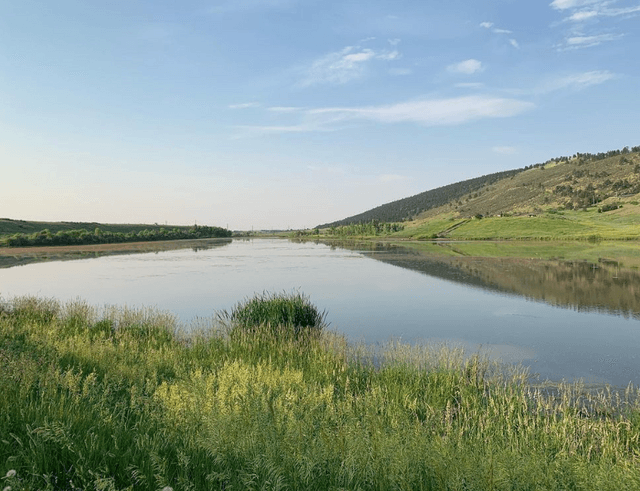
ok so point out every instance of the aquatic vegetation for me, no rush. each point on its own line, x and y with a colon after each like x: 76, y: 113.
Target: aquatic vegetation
x: 279, y: 311
x: 143, y: 404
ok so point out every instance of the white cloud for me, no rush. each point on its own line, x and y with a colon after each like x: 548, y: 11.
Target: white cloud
x: 344, y: 66
x: 468, y: 67
x: 486, y: 25
x: 431, y: 112
x: 583, y: 15
x: 578, y: 81
x: 389, y: 55
x: 570, y: 4
x: 505, y: 150
x: 588, y: 41
x: 583, y: 11
x: 394, y: 42
x: 502, y: 31
x: 244, y: 105
x: 426, y: 112
x: 284, y: 109
x: 514, y: 43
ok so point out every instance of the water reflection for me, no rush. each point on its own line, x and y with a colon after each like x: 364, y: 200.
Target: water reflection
x: 29, y: 255
x: 605, y: 287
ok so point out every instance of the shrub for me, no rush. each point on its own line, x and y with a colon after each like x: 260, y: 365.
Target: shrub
x: 291, y: 311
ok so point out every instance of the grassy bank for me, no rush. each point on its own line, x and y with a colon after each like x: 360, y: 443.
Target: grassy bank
x: 620, y: 224
x: 119, y: 399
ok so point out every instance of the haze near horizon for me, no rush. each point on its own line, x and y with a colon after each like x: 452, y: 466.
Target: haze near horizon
x: 275, y: 114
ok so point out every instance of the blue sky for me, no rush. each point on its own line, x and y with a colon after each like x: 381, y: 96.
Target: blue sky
x: 290, y: 113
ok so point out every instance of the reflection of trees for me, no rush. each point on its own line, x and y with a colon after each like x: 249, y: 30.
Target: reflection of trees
x: 36, y: 255
x: 605, y: 287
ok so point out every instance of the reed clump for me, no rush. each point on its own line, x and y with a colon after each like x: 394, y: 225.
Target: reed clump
x: 115, y: 399
x: 291, y: 313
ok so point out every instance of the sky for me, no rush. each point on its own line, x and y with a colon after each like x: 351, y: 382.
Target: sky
x: 278, y: 114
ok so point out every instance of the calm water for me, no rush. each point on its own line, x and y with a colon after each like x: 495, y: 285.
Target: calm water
x: 564, y: 320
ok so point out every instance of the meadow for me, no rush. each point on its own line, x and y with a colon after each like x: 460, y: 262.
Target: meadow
x: 114, y: 398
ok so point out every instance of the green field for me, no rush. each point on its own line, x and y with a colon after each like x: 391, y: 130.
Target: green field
x: 120, y: 399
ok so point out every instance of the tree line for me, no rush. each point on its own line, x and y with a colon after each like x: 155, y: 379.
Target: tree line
x: 83, y: 237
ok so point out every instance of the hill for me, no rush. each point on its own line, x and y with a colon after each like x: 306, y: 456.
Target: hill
x: 523, y: 190
x: 570, y: 197
x: 405, y: 208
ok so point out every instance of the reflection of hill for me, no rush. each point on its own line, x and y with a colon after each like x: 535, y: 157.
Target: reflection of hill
x: 28, y: 255
x: 605, y: 287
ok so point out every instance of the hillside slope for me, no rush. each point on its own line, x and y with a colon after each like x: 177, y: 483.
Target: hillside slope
x: 405, y: 208
x: 566, y: 182
x: 573, y: 198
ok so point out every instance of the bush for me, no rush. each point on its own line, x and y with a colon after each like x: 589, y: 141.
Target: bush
x: 291, y: 311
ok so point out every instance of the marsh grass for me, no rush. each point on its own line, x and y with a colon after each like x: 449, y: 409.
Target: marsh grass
x: 283, y: 313
x: 121, y: 399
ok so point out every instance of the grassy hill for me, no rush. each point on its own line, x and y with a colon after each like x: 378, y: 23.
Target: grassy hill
x: 579, y: 197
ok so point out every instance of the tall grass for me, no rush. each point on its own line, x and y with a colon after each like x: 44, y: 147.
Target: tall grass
x: 119, y: 399
x: 281, y: 312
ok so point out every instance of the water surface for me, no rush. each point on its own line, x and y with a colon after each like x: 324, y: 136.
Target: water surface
x: 564, y: 319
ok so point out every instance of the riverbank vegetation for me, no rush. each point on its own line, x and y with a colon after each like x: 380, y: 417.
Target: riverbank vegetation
x: 119, y: 399
x: 99, y: 236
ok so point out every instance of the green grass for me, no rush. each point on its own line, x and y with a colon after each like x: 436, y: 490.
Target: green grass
x: 620, y: 224
x: 280, y: 312
x: 121, y: 399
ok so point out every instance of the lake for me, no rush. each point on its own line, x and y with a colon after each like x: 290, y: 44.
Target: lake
x: 564, y: 319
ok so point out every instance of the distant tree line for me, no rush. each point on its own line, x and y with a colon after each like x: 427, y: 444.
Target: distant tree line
x: 374, y: 227
x: 587, y: 157
x: 98, y: 236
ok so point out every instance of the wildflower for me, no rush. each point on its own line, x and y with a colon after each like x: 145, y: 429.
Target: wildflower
x: 167, y: 488
x: 8, y: 488
x: 11, y: 473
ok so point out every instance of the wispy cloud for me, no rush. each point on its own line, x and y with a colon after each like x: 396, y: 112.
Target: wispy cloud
x: 244, y: 105
x: 577, y: 42
x: 425, y: 112
x: 431, y: 112
x: 583, y: 15
x: 284, y: 109
x: 577, y: 81
x: 570, y: 4
x: 345, y: 65
x: 495, y: 30
x: 467, y: 67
